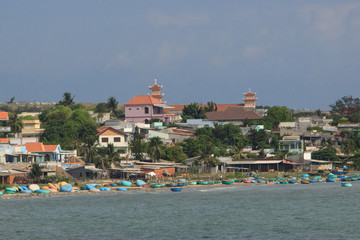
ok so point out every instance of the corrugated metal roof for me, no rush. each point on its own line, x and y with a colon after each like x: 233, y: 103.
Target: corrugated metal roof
x: 255, y: 162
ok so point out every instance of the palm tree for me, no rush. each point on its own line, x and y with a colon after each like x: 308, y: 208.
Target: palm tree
x: 67, y: 99
x: 237, y: 148
x: 108, y: 155
x: 89, y: 152
x: 348, y: 147
x: 207, y: 155
x: 112, y: 105
x: 155, y: 148
x: 15, y: 123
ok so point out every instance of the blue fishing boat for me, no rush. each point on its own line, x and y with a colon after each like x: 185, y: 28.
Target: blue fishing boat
x: 180, y: 184
x: 170, y: 184
x: 140, y: 182
x: 176, y: 189
x: 330, y: 179
x: 126, y: 183
x: 121, y: 189
x: 346, y: 184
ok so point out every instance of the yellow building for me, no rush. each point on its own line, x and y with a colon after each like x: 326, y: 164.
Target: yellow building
x: 31, y: 128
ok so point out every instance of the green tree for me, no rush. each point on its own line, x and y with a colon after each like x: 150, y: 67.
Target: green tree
x: 211, y: 107
x: 89, y: 152
x: 108, y: 156
x: 193, y: 110
x: 346, y: 107
x: 207, y: 158
x: 155, y: 149
x: 175, y: 154
x: 137, y: 145
x: 191, y: 147
x: 348, y: 147
x: 102, y: 108
x: 258, y: 139
x: 36, y: 171
x: 15, y: 122
x: 112, y: 104
x: 64, y: 126
x: 67, y: 99
x: 325, y: 154
x: 237, y: 148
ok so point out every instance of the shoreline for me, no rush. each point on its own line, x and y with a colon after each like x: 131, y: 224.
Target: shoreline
x: 113, y: 190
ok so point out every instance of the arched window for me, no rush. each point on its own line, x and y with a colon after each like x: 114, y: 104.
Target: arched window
x: 146, y: 110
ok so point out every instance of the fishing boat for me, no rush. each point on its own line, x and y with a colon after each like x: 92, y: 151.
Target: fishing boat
x: 346, y: 184
x: 155, y: 185
x: 121, y: 189
x: 179, y: 184
x: 227, y: 182
x: 140, y: 182
x: 126, y: 183
x: 192, y: 183
x: 202, y: 183
x: 330, y: 179
x: 176, y: 189
x: 246, y: 181
x: 304, y: 181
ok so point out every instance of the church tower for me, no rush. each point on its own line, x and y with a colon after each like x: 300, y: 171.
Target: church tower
x: 155, y: 91
x: 249, y: 99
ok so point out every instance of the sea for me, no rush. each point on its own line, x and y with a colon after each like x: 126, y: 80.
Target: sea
x: 299, y: 211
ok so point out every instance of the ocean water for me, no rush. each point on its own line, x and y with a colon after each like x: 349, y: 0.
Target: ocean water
x: 314, y: 211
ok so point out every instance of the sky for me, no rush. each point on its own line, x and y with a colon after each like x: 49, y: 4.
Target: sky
x: 299, y: 54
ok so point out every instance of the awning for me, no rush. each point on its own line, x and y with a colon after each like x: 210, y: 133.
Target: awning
x: 162, y: 106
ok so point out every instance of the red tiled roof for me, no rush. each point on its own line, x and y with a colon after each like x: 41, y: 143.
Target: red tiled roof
x: 4, y: 116
x: 39, y: 147
x: 249, y: 94
x: 220, y: 107
x: 101, y: 130
x: 4, y: 140
x: 183, y: 132
x: 155, y: 87
x: 50, y: 148
x: 233, y: 114
x: 143, y: 99
x: 35, y: 147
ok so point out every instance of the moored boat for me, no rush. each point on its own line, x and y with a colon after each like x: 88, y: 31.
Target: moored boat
x: 330, y: 179
x: 202, y: 183
x: 227, y: 182
x: 303, y: 181
x: 175, y: 189
x: 346, y: 184
x: 126, y: 183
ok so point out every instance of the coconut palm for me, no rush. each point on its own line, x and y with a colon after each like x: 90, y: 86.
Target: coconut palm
x: 15, y: 123
x: 155, y: 148
x: 207, y: 155
x: 112, y: 104
x: 108, y: 155
x: 348, y: 147
x: 89, y: 152
x: 67, y: 99
x: 237, y: 148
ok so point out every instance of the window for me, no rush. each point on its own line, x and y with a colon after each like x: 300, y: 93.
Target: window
x: 117, y: 139
x: 137, y: 108
x: 129, y: 108
x: 146, y: 110
x: 105, y: 139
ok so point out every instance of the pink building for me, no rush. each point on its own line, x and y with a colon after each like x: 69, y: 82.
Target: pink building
x: 143, y: 108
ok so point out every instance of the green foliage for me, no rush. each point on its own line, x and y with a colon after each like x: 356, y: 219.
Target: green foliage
x: 107, y: 156
x: 36, y: 171
x: 274, y: 116
x: 102, y: 108
x: 156, y: 149
x: 67, y: 99
x: 15, y: 123
x: 258, y: 139
x: 65, y: 126
x: 211, y: 107
x: 325, y: 154
x: 191, y: 147
x: 346, y: 107
x: 137, y: 145
x: 175, y: 154
x: 193, y: 111
x: 29, y: 117
x: 316, y: 128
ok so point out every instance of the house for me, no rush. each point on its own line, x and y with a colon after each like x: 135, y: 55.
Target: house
x: 108, y: 135
x: 42, y: 153
x: 32, y: 128
x: 4, y: 129
x: 347, y: 126
x: 87, y: 171
x: 143, y: 108
x: 235, y: 115
x: 293, y: 144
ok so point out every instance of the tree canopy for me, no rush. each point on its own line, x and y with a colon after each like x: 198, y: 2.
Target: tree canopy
x: 64, y: 126
x: 346, y: 107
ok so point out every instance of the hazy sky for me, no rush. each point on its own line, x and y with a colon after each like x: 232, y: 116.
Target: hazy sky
x: 299, y: 54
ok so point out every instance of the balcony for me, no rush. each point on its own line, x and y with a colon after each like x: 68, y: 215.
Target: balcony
x: 5, y: 129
